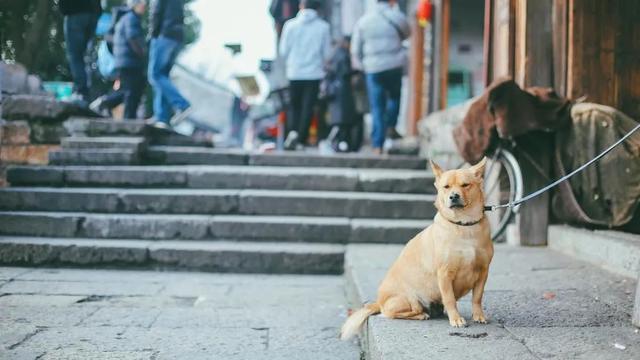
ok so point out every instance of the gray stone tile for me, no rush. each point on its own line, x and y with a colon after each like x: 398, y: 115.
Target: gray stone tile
x: 80, y: 288
x: 580, y: 342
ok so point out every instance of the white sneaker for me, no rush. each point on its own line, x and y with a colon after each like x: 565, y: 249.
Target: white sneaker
x: 181, y: 116
x: 291, y: 143
x: 96, y: 107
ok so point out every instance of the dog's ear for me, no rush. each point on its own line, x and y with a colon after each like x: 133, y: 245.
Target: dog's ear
x: 478, y: 169
x: 436, y: 169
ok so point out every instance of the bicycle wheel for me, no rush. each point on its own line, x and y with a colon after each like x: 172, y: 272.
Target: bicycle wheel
x: 502, y: 184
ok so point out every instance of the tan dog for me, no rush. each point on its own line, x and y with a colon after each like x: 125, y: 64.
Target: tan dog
x: 443, y: 262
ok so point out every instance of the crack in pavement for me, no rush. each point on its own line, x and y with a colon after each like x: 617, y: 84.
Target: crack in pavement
x: 521, y: 341
x: 26, y: 338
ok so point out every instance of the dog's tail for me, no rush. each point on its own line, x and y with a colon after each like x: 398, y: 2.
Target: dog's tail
x: 353, y: 324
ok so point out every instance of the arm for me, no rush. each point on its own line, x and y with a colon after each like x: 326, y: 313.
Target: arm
x: 356, y: 48
x: 403, y: 24
x: 326, y: 46
x: 134, y: 36
x: 285, y: 43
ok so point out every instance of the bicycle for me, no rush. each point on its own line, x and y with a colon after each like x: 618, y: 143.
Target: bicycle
x: 503, y: 184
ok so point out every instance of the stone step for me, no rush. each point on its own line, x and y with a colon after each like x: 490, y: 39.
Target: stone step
x: 226, y: 177
x: 222, y: 256
x: 616, y: 251
x: 208, y: 227
x: 135, y: 143
x: 87, y: 127
x: 94, y: 157
x: 199, y: 201
x: 172, y: 155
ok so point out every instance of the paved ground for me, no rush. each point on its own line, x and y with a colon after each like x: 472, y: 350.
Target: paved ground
x: 101, y: 314
x: 540, y: 305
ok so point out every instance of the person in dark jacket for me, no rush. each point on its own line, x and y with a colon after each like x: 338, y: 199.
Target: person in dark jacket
x: 130, y: 57
x: 80, y: 21
x: 167, y: 35
x: 342, y: 106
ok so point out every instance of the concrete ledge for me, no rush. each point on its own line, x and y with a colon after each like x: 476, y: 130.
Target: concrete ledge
x: 127, y: 143
x: 200, y: 227
x: 271, y: 258
x: 611, y: 250
x: 399, y: 181
x: 104, y: 127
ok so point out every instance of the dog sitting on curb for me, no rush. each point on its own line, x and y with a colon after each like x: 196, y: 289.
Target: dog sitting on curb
x: 443, y: 262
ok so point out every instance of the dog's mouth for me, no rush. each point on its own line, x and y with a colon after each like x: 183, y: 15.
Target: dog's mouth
x: 456, y: 206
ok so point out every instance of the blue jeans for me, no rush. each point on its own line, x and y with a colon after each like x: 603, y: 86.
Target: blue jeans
x: 79, y: 30
x: 166, y: 98
x: 384, y: 97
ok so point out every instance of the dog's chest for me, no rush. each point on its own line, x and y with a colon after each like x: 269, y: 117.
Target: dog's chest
x: 462, y: 253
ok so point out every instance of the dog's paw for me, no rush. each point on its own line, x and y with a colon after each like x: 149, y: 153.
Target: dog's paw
x: 458, y: 322
x: 479, y: 318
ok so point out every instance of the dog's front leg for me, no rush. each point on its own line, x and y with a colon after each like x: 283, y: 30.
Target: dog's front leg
x: 445, y: 283
x: 476, y: 300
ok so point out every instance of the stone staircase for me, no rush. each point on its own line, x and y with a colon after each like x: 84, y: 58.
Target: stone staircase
x: 116, y: 196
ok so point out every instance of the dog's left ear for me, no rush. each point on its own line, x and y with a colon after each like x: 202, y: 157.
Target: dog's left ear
x: 478, y: 169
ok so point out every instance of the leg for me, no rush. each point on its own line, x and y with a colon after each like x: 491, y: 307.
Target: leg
x: 309, y: 100
x: 166, y: 52
x: 295, y: 94
x: 393, y: 85
x: 399, y: 307
x: 132, y: 83
x: 377, y: 100
x: 476, y: 300
x: 445, y: 283
x: 74, y: 34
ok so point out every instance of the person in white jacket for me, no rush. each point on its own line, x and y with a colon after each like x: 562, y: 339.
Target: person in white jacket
x: 305, y: 46
x: 376, y: 46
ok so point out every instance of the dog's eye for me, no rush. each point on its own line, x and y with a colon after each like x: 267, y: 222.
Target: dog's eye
x: 465, y: 185
x: 447, y: 186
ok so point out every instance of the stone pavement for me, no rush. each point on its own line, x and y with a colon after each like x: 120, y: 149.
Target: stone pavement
x: 540, y: 305
x: 109, y: 314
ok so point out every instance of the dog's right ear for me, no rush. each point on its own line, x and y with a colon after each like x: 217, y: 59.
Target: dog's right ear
x: 436, y: 169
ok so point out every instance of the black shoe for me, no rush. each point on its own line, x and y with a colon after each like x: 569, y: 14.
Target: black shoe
x: 393, y: 134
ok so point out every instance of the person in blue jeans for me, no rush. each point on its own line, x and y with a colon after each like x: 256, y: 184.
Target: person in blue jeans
x: 376, y: 46
x: 167, y: 34
x: 80, y: 21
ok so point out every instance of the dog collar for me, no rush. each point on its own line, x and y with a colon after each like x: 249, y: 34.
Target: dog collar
x: 462, y: 223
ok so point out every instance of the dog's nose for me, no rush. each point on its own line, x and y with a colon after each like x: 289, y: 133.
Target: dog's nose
x: 454, y: 197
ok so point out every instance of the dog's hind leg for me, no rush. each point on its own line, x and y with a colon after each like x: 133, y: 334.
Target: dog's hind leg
x: 399, y: 307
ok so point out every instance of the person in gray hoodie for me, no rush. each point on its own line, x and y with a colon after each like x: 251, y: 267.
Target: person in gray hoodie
x: 377, y: 46
x: 305, y: 46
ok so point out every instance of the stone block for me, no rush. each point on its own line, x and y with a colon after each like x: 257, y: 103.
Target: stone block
x: 125, y: 177
x: 30, y: 175
x: 385, y: 231
x: 121, y: 226
x: 179, y: 201
x: 94, y: 157
x: 296, y: 229
x: 26, y: 154
x: 104, y: 127
x: 15, y: 133
x: 38, y: 224
x: 35, y: 199
x: 39, y: 107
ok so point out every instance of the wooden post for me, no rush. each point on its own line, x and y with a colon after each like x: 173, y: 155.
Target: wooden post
x: 534, y: 67
x: 445, y: 20
x: 416, y: 74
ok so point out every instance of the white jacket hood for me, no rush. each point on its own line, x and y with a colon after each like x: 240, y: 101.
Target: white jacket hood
x: 305, y: 45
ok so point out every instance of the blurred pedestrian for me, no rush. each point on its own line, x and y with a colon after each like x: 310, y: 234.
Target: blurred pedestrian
x: 130, y: 57
x: 377, y: 46
x: 305, y: 46
x: 340, y: 95
x: 80, y: 21
x: 167, y: 35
